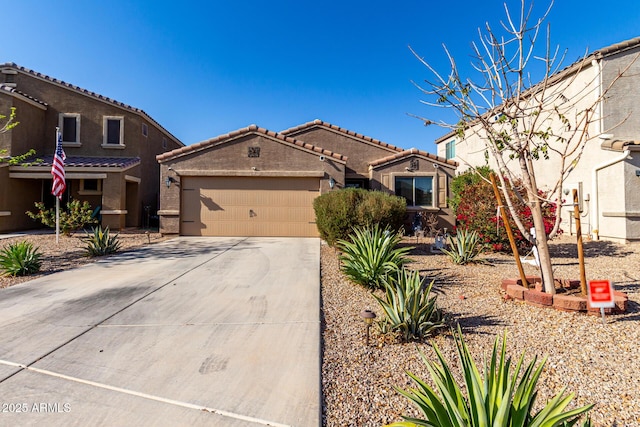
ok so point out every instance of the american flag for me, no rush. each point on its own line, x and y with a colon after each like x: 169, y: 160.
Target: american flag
x: 57, y: 169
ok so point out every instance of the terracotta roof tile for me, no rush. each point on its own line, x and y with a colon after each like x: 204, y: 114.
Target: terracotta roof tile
x: 318, y: 122
x: 88, y: 93
x: 96, y: 162
x: 620, y: 144
x: 246, y: 131
x: 11, y: 89
x: 411, y: 152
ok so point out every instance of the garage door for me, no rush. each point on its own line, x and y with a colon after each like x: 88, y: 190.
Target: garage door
x: 247, y: 206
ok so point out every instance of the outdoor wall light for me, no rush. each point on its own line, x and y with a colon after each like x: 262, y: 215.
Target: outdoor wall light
x: 367, y: 316
x: 332, y: 183
x: 168, y: 181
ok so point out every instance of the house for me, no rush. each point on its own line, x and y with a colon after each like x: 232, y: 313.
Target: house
x: 110, y: 151
x: 256, y: 182
x: 607, y: 173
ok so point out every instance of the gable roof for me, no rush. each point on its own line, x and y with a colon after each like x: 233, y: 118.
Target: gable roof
x: 10, y: 90
x: 320, y: 123
x: 575, y: 67
x: 88, y: 93
x: 251, y: 129
x: 410, y: 153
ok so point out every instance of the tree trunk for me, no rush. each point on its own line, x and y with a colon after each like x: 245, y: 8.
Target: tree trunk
x: 543, y: 248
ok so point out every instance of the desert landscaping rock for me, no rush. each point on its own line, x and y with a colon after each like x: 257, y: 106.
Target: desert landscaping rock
x: 599, y: 363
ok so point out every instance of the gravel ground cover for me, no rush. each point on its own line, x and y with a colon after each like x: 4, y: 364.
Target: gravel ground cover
x: 70, y: 251
x: 599, y: 363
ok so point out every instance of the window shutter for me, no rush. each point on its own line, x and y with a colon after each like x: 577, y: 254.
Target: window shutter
x: 442, y: 191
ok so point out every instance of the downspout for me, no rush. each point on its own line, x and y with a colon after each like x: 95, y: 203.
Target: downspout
x: 594, y: 190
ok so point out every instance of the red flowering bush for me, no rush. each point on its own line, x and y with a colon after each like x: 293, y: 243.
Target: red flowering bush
x: 476, y: 209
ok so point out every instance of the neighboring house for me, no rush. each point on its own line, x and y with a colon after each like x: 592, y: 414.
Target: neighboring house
x: 607, y: 175
x: 255, y: 182
x: 110, y: 151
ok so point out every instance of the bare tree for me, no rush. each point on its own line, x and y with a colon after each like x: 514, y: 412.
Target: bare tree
x: 521, y: 121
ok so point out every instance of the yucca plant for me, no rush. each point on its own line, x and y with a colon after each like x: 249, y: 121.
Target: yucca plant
x: 371, y: 254
x: 498, y: 398
x: 100, y: 242
x: 465, y: 248
x: 20, y: 259
x: 409, y: 307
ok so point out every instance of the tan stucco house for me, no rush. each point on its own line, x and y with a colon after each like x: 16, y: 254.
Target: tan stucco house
x: 110, y: 151
x: 256, y: 182
x: 607, y: 175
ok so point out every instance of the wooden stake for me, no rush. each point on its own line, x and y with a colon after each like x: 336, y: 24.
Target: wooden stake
x: 576, y: 216
x: 512, y: 240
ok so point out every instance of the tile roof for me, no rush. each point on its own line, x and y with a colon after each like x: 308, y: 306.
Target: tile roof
x: 88, y: 93
x: 318, y: 122
x: 11, y: 89
x: 246, y: 131
x: 410, y: 152
x: 92, y: 162
x: 620, y: 144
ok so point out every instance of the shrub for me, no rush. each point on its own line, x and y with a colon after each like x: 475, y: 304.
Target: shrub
x: 339, y: 212
x: 408, y: 306
x: 465, y: 247
x: 76, y: 216
x: 476, y: 208
x: 370, y: 254
x: 100, y: 242
x: 501, y: 398
x: 20, y: 259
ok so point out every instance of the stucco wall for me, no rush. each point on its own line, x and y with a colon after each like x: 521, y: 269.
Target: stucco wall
x: 621, y: 108
x: 358, y: 151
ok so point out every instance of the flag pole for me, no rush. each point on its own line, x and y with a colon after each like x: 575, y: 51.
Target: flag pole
x: 57, y: 198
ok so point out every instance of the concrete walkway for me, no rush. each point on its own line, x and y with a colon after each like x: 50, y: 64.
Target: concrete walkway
x: 188, y: 332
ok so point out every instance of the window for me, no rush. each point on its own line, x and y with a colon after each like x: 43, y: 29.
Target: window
x: 451, y: 149
x: 69, y: 124
x: 417, y: 190
x: 164, y: 142
x: 90, y: 186
x: 113, y: 132
x: 145, y: 130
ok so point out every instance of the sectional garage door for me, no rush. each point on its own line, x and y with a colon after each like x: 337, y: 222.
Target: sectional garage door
x: 248, y: 206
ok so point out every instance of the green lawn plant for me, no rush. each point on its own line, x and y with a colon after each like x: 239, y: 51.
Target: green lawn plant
x: 101, y: 242
x: 409, y: 307
x: 76, y: 216
x: 370, y: 254
x: 496, y: 397
x: 20, y: 259
x: 465, y: 247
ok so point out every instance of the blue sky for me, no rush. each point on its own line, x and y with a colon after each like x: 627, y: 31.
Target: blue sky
x: 202, y: 69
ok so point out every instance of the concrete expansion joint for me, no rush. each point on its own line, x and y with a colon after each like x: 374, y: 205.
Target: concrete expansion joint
x: 145, y: 395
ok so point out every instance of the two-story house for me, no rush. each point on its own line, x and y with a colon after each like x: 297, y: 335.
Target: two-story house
x: 110, y: 151
x: 255, y: 182
x: 606, y: 173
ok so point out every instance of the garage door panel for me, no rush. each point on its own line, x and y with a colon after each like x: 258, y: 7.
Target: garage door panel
x: 243, y: 206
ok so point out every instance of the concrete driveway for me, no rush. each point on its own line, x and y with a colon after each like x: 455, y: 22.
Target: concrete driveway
x: 188, y: 332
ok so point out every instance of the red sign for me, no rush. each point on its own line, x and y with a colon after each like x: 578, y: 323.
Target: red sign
x: 601, y: 294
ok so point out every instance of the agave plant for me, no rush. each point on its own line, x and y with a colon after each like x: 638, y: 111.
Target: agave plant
x: 20, y: 259
x: 409, y: 308
x: 465, y: 248
x: 372, y: 254
x: 100, y: 242
x: 501, y: 398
